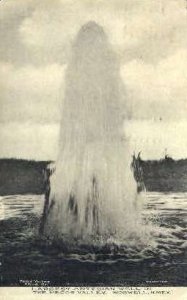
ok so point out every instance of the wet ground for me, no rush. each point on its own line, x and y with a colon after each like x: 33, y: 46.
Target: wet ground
x: 160, y: 261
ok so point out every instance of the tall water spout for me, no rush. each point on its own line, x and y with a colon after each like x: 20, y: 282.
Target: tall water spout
x: 92, y: 190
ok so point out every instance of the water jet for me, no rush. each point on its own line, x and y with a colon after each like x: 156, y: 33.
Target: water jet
x: 92, y: 189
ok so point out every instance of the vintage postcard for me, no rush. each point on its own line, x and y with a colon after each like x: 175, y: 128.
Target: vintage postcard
x: 93, y: 148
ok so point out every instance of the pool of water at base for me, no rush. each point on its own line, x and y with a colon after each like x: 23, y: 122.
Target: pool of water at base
x: 160, y: 261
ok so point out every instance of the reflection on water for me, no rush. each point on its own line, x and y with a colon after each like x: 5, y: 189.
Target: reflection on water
x: 20, y: 206
x: 162, y: 260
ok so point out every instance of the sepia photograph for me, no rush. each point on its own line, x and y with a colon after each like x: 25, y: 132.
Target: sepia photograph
x: 93, y: 143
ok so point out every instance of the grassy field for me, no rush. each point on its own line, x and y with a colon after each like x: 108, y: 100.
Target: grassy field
x: 165, y: 175
x: 27, y: 177
x: 21, y: 176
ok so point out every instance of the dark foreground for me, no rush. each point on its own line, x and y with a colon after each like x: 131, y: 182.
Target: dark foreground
x: 160, y: 261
